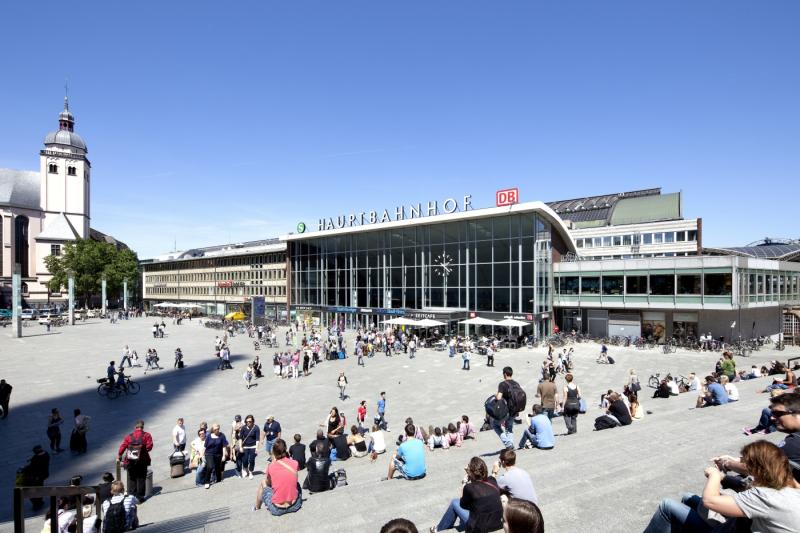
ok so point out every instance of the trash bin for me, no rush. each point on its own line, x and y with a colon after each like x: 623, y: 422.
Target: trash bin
x: 148, y: 484
x: 177, y: 464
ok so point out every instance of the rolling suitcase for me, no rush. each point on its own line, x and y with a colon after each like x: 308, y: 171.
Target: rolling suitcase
x: 177, y: 462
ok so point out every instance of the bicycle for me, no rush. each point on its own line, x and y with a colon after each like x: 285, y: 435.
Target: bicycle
x: 670, y: 346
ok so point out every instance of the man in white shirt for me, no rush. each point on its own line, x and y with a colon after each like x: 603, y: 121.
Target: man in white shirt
x: 179, y: 436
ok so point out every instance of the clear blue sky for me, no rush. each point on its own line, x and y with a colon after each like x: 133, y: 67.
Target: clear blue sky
x: 211, y: 122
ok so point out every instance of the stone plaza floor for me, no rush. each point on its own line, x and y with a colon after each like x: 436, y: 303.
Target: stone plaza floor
x: 593, y: 481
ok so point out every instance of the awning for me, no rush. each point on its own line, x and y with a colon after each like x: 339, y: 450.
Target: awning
x: 402, y: 321
x: 479, y: 321
x: 429, y: 323
x: 513, y: 322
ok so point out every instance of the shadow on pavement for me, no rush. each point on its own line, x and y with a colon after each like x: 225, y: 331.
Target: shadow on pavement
x: 191, y: 522
x: 111, y: 420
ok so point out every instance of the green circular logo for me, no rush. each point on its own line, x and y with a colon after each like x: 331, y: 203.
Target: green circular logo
x: 301, y: 227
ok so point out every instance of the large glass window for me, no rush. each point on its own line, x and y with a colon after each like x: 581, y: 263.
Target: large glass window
x: 590, y: 285
x: 718, y: 284
x: 568, y: 285
x: 647, y: 238
x: 689, y: 284
x: 612, y: 285
x: 636, y: 284
x: 662, y: 284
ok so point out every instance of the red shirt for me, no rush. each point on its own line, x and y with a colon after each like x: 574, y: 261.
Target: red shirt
x: 283, y: 480
x: 362, y: 413
x: 147, y: 445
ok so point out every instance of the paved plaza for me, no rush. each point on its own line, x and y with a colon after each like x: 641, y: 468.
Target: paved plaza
x: 593, y: 481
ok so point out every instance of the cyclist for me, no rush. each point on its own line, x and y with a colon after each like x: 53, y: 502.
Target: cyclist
x: 121, y: 381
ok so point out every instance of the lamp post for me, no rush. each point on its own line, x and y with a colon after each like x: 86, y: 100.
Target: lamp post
x: 16, y: 301
x: 71, y: 293
x: 103, y: 286
x: 125, y: 294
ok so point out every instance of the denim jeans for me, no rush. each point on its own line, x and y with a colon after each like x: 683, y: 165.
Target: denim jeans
x: 248, y: 459
x: 528, y: 436
x: 505, y: 434
x: 454, y: 510
x: 672, y: 516
x: 765, y: 422
x: 268, y: 444
x: 266, y: 499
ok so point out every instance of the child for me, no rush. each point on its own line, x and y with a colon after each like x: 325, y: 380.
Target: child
x: 248, y: 375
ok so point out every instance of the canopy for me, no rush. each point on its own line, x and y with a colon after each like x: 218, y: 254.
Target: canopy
x: 235, y: 315
x: 513, y: 322
x: 402, y: 321
x: 166, y: 304
x: 479, y: 321
x: 429, y: 323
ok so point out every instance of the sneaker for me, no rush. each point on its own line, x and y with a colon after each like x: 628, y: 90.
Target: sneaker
x: 384, y: 478
x: 747, y: 431
x: 207, y: 486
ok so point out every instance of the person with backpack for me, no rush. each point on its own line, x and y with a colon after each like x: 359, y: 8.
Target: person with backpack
x: 119, y: 511
x: 134, y: 452
x: 515, y: 400
x: 497, y: 413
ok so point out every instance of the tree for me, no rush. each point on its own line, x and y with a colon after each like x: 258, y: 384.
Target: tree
x: 90, y: 260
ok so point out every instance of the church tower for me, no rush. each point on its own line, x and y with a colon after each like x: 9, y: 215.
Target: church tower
x: 65, y: 172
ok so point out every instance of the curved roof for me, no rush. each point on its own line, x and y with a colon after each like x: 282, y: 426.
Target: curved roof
x: 20, y: 188
x: 778, y: 251
x: 65, y: 138
x: 631, y: 207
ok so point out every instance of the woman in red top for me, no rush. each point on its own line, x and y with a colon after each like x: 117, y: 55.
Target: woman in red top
x: 280, y: 491
x: 362, y: 416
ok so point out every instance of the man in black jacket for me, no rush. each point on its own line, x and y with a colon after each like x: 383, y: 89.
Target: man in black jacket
x: 319, y: 478
x: 5, y: 396
x: 36, y: 471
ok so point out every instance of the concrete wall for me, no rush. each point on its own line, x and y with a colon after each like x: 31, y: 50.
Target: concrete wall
x: 766, y: 319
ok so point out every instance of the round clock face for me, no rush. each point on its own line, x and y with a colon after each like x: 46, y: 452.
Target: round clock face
x: 301, y: 227
x: 443, y: 265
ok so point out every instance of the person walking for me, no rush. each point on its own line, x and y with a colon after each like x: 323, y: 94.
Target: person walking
x: 126, y: 356
x: 572, y: 404
x: 5, y: 396
x: 54, y: 422
x: 215, y: 446
x: 271, y: 432
x: 381, y: 422
x: 249, y: 436
x: 178, y: 359
x: 342, y: 382
x: 465, y: 358
x: 134, y: 453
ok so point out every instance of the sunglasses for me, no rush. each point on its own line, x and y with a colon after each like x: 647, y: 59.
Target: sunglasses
x: 778, y: 414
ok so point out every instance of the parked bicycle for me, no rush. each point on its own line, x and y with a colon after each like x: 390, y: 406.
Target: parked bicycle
x: 112, y: 390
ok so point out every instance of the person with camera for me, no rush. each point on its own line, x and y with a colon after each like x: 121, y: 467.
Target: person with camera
x: 516, y: 482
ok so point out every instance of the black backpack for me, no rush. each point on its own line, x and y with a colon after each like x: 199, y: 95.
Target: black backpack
x: 517, y: 399
x: 114, y: 520
x: 496, y: 409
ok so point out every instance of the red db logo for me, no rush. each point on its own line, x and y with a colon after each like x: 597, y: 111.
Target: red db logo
x: 507, y: 197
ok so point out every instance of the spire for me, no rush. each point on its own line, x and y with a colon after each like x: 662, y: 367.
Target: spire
x: 65, y: 119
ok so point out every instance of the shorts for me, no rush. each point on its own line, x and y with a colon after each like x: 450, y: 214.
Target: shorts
x: 399, y: 467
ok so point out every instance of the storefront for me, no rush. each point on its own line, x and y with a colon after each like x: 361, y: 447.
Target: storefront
x: 495, y: 262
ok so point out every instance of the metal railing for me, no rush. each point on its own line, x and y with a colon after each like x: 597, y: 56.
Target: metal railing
x: 53, y: 494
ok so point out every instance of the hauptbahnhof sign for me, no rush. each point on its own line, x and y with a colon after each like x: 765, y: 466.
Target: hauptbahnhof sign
x: 402, y: 212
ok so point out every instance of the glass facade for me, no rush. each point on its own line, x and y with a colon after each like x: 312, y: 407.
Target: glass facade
x: 501, y: 264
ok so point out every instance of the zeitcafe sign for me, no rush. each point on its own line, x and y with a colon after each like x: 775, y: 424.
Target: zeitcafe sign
x: 402, y: 212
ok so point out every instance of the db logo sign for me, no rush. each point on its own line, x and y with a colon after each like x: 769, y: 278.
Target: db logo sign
x: 507, y: 197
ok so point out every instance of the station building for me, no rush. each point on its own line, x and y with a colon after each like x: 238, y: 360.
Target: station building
x: 220, y: 279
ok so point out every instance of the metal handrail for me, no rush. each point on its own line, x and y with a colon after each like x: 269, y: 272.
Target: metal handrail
x: 53, y: 493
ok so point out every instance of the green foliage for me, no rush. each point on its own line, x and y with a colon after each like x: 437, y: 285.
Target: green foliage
x: 91, y: 260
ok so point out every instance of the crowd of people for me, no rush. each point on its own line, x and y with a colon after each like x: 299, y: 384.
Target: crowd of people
x: 492, y: 497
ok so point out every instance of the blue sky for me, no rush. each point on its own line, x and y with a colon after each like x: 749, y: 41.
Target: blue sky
x: 212, y: 122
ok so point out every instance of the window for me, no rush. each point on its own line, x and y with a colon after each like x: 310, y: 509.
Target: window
x: 662, y: 284
x: 598, y: 242
x: 657, y: 238
x: 71, y: 171
x: 579, y: 243
x: 680, y: 236
x: 627, y: 240
x: 590, y: 285
x: 607, y: 241
x: 55, y: 249
x: 692, y: 233
x: 718, y: 284
x: 617, y: 241
x: 588, y: 242
x: 669, y: 236
x: 612, y: 285
x: 568, y: 285
x: 689, y: 284
x: 636, y: 284
x: 52, y: 169
x: 647, y: 238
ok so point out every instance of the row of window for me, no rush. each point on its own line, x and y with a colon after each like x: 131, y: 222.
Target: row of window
x: 250, y: 290
x: 635, y: 239
x: 53, y: 169
x: 593, y: 257
x: 652, y: 284
x: 257, y: 261
x: 770, y: 284
x: 247, y: 275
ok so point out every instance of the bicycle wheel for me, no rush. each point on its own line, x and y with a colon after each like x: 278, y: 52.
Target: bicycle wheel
x: 113, y: 393
x: 653, y: 382
x: 133, y: 387
x: 102, y: 390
